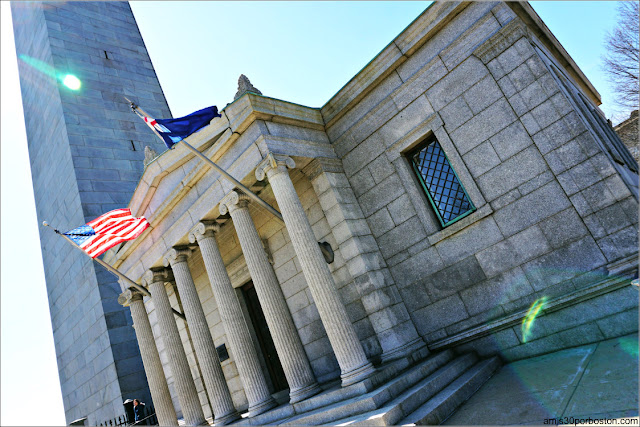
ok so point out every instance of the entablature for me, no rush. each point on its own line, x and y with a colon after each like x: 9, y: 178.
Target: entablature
x: 177, y: 189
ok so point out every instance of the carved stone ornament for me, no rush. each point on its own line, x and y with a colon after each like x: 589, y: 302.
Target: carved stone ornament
x: 127, y: 297
x: 149, y: 155
x: 177, y: 254
x: 272, y: 161
x: 232, y: 200
x: 244, y: 85
x: 202, y: 229
x: 157, y: 275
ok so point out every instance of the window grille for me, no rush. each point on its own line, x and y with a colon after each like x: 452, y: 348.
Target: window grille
x: 441, y: 184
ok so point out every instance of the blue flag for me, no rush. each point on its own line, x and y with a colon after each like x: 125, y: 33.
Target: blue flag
x: 173, y: 131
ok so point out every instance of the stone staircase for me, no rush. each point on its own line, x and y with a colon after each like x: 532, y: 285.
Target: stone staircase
x: 415, y: 390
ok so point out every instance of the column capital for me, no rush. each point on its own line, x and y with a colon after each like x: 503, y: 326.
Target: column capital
x: 157, y: 275
x: 176, y: 254
x: 203, y: 229
x: 232, y: 201
x: 274, y: 163
x: 129, y: 296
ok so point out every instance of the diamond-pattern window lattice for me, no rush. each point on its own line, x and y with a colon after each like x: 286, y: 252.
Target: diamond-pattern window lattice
x: 445, y: 190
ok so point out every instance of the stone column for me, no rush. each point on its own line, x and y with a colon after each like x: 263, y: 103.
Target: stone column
x: 150, y: 358
x: 214, y: 380
x: 183, y: 381
x: 302, y: 382
x: 244, y: 352
x: 379, y: 294
x: 344, y: 341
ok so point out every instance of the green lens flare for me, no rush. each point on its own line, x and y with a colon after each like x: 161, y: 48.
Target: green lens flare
x: 41, y: 66
x: 527, y: 322
x: 72, y: 82
x: 69, y: 80
x: 629, y: 346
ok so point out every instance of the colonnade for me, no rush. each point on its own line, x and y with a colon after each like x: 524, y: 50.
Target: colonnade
x: 302, y: 383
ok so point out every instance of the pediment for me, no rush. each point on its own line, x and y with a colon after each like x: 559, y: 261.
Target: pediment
x: 178, y: 189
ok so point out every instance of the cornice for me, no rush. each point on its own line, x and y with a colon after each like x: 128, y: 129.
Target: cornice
x: 183, y: 178
x: 542, y: 32
x: 427, y: 24
x: 424, y: 27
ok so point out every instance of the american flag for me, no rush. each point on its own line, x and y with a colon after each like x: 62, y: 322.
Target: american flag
x: 107, y: 230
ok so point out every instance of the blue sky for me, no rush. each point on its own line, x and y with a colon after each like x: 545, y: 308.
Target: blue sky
x: 302, y: 52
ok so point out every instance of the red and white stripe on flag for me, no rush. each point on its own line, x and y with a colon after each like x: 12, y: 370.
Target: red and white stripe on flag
x: 154, y: 125
x: 111, y: 229
x: 151, y: 122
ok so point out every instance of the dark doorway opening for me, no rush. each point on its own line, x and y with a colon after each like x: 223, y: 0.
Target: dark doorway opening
x: 265, y: 341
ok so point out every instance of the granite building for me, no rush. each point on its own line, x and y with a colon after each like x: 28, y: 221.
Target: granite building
x: 86, y: 151
x: 477, y: 204
x: 474, y: 206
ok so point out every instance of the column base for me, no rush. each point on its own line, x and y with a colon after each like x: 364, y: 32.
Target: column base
x: 407, y: 349
x: 227, y: 419
x: 357, y: 375
x: 304, y: 392
x: 262, y: 407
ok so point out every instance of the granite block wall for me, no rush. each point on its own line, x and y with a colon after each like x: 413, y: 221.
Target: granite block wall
x: 86, y: 150
x: 555, y: 212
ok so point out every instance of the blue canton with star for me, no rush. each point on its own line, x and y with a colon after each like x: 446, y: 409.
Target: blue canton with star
x: 80, y: 234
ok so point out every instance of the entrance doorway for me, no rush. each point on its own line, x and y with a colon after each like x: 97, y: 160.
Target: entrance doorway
x: 265, y: 341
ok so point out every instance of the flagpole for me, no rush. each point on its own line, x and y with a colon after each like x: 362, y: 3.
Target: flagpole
x: 244, y: 189
x: 326, y: 252
x: 110, y: 268
x: 222, y: 172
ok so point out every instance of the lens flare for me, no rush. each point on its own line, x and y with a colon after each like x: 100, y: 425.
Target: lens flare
x: 69, y: 80
x: 72, y: 82
x: 41, y: 66
x: 629, y: 346
x: 528, y: 321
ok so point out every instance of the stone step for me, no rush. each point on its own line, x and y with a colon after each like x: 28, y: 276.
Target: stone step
x: 391, y: 387
x: 441, y: 406
x: 384, y: 374
x: 410, y: 398
x: 336, y: 394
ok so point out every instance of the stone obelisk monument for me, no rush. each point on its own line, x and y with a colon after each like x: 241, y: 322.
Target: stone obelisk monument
x: 86, y: 152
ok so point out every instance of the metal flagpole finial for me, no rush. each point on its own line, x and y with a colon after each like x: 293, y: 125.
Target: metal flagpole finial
x: 46, y: 224
x: 131, y: 103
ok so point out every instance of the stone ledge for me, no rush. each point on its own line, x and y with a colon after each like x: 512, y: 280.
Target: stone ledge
x: 295, y: 147
x: 476, y: 216
x: 500, y: 41
x: 600, y: 288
